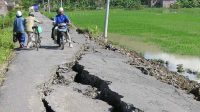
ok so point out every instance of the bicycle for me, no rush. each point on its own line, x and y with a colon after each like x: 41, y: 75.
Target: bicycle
x: 35, y: 38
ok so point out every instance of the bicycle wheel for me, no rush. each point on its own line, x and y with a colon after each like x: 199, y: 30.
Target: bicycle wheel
x: 39, y: 40
x: 36, y: 40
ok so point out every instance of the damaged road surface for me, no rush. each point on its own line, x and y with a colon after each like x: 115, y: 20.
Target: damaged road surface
x: 104, y: 81
x: 114, y: 77
x: 31, y: 68
x: 86, y: 78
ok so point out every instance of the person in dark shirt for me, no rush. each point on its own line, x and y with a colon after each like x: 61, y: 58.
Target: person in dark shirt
x: 62, y: 18
x: 19, y: 28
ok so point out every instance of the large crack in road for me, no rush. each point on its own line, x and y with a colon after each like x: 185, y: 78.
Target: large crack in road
x: 97, y: 88
x: 102, y: 92
x: 47, y: 106
x: 105, y: 79
x: 106, y: 94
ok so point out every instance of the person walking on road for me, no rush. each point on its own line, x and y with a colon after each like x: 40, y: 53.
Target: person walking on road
x: 19, y: 28
x: 29, y: 23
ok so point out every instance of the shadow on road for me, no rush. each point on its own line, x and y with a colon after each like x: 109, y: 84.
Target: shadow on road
x: 50, y: 47
x: 25, y: 49
x: 42, y: 47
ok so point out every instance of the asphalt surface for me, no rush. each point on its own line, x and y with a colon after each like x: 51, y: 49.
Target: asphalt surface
x: 143, y: 91
x: 30, y: 69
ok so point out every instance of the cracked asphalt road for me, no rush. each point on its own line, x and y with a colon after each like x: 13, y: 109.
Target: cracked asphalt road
x: 143, y: 91
x: 31, y: 68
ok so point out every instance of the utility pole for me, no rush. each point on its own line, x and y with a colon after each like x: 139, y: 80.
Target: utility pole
x: 49, y: 7
x: 106, y: 21
x: 43, y: 5
x: 61, y: 3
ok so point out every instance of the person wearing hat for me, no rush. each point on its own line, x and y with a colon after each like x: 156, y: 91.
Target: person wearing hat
x: 62, y: 18
x: 29, y: 23
x: 19, y: 28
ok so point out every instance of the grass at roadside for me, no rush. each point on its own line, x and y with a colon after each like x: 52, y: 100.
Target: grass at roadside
x: 6, y: 44
x: 174, y: 31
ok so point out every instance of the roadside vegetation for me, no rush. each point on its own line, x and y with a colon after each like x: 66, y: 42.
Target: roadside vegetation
x: 6, y: 44
x: 98, y: 4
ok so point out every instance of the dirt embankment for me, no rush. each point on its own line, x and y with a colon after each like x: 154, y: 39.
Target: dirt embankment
x: 160, y: 72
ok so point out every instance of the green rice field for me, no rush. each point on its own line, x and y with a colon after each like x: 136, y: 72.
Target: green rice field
x: 172, y: 31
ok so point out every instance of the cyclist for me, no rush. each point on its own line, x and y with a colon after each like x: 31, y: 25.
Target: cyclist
x: 19, y: 28
x: 62, y: 18
x: 29, y: 23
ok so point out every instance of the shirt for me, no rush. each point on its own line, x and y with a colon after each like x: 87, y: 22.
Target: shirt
x: 29, y: 23
x: 19, y: 25
x: 61, y: 18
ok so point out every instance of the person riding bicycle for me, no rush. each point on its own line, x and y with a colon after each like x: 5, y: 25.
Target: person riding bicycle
x: 62, y: 18
x: 19, y: 28
x: 29, y: 23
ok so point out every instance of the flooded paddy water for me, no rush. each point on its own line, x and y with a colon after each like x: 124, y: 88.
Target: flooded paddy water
x: 190, y: 65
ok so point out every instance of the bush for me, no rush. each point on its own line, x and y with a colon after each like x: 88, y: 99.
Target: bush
x: 128, y: 4
x: 95, y: 4
x: 117, y: 3
x: 189, y: 3
x: 131, y: 3
x: 176, y: 5
x: 26, y: 3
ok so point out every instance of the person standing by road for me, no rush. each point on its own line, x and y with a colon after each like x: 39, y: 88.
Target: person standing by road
x: 19, y: 28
